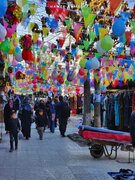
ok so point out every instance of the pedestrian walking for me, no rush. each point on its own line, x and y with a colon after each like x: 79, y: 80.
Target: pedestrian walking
x: 14, y: 128
x: 26, y: 120
x: 9, y: 107
x: 40, y: 123
x: 63, y: 111
x: 41, y: 105
x: 51, y: 106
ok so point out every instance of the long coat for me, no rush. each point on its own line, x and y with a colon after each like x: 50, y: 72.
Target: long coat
x: 26, y: 120
x: 7, y: 114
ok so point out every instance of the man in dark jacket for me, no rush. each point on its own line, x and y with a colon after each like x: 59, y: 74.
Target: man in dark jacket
x: 40, y: 123
x: 14, y: 128
x: 132, y: 128
x: 63, y: 112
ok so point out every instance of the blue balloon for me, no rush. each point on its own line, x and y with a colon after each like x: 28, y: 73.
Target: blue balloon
x: 82, y: 80
x: 118, y: 27
x: 95, y: 63
x: 3, y: 7
x: 19, y: 67
x: 88, y: 65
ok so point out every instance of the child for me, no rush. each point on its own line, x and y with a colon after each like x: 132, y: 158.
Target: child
x: 14, y: 128
x: 40, y: 123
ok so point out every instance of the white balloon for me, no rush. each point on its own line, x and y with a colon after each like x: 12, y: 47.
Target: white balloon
x: 99, y: 49
x: 3, y: 33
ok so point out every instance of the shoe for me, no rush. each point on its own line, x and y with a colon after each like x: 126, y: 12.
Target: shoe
x: 63, y: 135
x: 27, y: 138
x: 16, y: 148
x: 11, y: 150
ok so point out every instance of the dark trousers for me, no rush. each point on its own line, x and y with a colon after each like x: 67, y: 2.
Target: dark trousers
x: 40, y: 132
x: 62, y: 125
x: 52, y: 126
x: 13, y: 137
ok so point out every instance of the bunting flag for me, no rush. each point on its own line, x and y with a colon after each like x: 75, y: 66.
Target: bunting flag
x: 69, y: 23
x: 86, y: 45
x: 52, y: 6
x: 132, y: 24
x: 128, y: 35
x: 85, y: 11
x: 61, y: 41
x: 45, y: 31
x: 88, y: 21
x: 78, y: 3
x: 77, y: 30
x: 33, y: 8
x: 114, y: 5
x: 63, y: 14
x: 102, y: 32
x: 35, y: 37
x: 92, y: 36
x: 31, y: 25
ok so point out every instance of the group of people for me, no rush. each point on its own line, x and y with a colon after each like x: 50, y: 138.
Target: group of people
x: 19, y: 115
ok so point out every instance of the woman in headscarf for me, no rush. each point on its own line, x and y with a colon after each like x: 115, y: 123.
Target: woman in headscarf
x: 26, y: 120
x: 9, y: 107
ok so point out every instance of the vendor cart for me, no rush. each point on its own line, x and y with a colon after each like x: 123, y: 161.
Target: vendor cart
x: 107, y: 142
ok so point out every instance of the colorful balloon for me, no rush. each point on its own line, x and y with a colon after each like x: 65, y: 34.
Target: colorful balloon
x: 3, y: 7
x: 82, y: 72
x: 118, y: 27
x: 27, y: 55
x: 95, y: 63
x: 5, y: 46
x: 88, y: 65
x: 3, y: 33
x: 99, y: 48
x: 107, y: 43
x: 83, y: 63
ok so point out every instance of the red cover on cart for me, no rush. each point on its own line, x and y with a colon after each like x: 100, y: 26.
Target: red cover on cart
x: 100, y: 135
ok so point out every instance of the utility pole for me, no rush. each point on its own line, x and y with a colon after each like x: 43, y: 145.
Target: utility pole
x: 87, y: 114
x: 97, y: 111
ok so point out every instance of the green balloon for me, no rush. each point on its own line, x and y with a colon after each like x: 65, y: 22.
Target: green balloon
x: 83, y: 63
x: 66, y: 82
x: 5, y: 46
x: 107, y: 43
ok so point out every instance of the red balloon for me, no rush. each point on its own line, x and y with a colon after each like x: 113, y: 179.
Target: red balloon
x: 81, y: 72
x: 54, y: 90
x: 61, y: 80
x: 38, y: 77
x: 34, y: 81
x: 27, y: 55
x: 34, y: 86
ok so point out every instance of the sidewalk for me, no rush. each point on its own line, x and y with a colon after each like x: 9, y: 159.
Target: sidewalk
x: 54, y: 158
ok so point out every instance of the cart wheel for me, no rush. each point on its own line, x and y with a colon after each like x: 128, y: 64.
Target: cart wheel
x: 96, y: 150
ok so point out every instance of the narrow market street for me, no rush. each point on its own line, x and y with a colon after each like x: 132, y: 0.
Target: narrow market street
x: 55, y: 158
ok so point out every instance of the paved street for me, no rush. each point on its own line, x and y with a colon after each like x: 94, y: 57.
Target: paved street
x: 54, y: 158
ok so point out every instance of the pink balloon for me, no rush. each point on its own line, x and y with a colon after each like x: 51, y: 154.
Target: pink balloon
x: 11, y: 75
x: 14, y: 62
